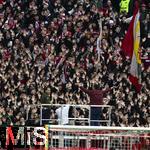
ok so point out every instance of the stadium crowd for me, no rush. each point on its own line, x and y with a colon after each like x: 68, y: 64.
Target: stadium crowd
x: 48, y: 47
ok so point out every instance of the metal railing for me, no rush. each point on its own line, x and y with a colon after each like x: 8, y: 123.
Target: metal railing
x: 75, y: 119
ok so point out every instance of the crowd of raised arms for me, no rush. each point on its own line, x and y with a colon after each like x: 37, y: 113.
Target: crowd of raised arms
x: 47, y: 47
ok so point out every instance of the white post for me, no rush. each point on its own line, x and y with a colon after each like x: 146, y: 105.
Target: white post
x: 41, y: 115
x: 88, y: 142
x: 89, y: 115
x: 61, y: 140
x: 109, y: 116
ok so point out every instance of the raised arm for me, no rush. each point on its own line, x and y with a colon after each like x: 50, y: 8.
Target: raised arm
x: 107, y: 90
x: 85, y: 90
x: 82, y: 88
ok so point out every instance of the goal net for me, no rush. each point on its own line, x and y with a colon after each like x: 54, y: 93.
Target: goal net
x: 98, y: 138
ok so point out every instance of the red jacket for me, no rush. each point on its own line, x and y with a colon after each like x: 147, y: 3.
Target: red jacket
x: 96, y: 96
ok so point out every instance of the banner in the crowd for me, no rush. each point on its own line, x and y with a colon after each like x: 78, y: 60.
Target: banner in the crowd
x: 124, y: 6
x: 62, y: 113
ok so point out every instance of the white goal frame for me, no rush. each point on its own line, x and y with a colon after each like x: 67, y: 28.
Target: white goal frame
x: 88, y: 133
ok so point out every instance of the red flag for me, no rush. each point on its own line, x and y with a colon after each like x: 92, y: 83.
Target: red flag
x: 131, y: 47
x: 134, y: 81
x: 128, y: 41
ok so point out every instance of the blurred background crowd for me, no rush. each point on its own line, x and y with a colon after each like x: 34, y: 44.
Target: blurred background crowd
x: 47, y: 47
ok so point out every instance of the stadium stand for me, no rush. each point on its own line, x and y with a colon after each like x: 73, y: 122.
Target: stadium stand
x: 49, y: 46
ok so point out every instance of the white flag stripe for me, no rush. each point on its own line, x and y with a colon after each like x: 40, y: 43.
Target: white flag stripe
x: 136, y: 35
